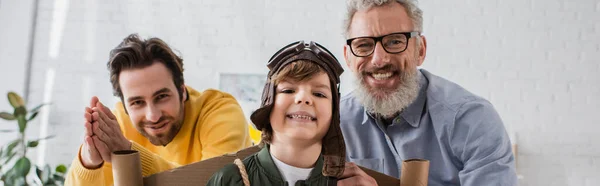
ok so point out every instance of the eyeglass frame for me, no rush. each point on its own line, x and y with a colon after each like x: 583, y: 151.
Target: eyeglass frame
x: 379, y: 39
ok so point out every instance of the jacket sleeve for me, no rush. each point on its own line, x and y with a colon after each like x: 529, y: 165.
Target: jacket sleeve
x: 227, y: 176
x: 223, y: 127
x: 480, y: 142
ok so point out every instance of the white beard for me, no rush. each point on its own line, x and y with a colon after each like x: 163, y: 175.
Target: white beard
x: 393, y: 101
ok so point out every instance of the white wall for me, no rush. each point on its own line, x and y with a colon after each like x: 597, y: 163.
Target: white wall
x: 15, y: 27
x: 535, y: 60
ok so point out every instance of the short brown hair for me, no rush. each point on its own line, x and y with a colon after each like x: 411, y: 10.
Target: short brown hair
x: 297, y: 71
x: 135, y: 53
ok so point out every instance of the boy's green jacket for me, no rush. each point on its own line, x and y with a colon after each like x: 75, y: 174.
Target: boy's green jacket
x: 262, y: 171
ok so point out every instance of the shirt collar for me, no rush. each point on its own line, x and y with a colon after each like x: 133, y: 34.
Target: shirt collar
x: 412, y: 113
x: 266, y: 161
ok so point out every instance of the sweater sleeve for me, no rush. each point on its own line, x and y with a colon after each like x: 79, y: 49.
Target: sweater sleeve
x: 223, y: 127
x: 151, y: 163
x: 79, y: 175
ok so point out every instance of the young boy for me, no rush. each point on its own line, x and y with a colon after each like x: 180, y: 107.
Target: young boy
x: 299, y: 119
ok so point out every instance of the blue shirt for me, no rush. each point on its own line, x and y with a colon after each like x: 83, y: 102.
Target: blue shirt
x: 460, y: 133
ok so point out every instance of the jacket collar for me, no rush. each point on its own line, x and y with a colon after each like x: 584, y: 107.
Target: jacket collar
x: 266, y: 162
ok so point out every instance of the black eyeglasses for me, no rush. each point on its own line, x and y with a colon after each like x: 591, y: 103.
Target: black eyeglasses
x: 298, y: 47
x: 393, y: 43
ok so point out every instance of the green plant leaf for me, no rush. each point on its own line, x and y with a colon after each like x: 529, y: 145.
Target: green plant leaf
x: 20, y: 111
x: 47, y: 174
x: 61, y: 168
x: 6, y: 131
x: 15, y: 100
x: 40, y: 174
x: 7, y: 116
x: 22, y: 167
x: 8, y: 153
x: 1, y: 157
x: 22, y: 123
x: 33, y: 115
x: 10, y: 157
x: 10, y: 147
x: 33, y: 143
x: 12, y: 180
x: 45, y: 138
x: 37, y: 108
x: 19, y: 181
x: 58, y: 178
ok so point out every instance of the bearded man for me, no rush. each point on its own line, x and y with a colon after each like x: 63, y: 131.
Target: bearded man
x: 399, y: 112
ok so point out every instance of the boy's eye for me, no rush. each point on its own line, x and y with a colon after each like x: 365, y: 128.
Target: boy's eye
x: 286, y: 91
x: 321, y: 95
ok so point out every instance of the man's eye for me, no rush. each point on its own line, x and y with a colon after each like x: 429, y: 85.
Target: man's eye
x: 396, y: 42
x: 136, y: 103
x: 162, y: 96
x: 365, y: 45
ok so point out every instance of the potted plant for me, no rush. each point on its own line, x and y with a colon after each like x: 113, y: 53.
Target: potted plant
x: 14, y: 164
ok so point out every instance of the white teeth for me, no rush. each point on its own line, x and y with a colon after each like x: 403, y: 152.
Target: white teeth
x: 301, y: 117
x: 381, y: 76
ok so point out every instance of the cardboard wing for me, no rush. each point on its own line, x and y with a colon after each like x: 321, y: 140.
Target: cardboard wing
x: 414, y: 172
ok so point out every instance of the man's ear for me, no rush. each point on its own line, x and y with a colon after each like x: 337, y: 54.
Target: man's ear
x: 422, y: 50
x: 183, y: 93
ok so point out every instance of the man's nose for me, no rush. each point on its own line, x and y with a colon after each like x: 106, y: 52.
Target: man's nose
x: 379, y: 57
x: 153, y: 114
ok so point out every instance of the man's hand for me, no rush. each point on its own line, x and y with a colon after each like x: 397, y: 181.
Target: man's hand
x: 353, y: 175
x: 89, y: 155
x: 107, y: 132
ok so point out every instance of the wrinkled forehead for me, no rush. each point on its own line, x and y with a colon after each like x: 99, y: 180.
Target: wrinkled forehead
x: 146, y: 81
x: 380, y: 20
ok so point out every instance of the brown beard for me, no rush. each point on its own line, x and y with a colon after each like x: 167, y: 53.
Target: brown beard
x: 163, y: 139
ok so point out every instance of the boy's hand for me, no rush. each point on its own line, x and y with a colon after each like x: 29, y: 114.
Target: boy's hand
x: 353, y: 175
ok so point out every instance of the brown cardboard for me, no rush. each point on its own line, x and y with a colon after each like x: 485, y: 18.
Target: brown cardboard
x: 415, y: 172
x: 196, y: 173
x: 126, y: 168
x: 199, y: 173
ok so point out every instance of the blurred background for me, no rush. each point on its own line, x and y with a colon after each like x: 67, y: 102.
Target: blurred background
x: 537, y: 61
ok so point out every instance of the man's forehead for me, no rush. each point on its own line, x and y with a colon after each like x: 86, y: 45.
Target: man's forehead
x: 380, y: 20
x: 145, y: 81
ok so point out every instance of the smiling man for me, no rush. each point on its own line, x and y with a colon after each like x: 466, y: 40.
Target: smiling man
x: 170, y: 124
x: 399, y: 112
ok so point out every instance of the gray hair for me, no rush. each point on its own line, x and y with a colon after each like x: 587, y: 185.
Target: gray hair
x: 411, y: 6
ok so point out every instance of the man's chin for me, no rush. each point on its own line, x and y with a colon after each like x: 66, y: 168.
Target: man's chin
x: 157, y: 141
x: 379, y: 94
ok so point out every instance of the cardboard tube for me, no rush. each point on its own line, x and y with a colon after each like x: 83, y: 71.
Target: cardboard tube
x: 126, y: 167
x: 415, y: 172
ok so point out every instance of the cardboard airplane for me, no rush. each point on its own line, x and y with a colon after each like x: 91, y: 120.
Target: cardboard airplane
x: 127, y: 171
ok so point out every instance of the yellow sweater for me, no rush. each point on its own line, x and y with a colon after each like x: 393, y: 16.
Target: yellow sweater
x: 214, y: 124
